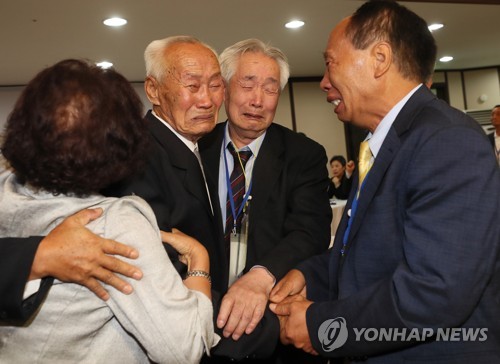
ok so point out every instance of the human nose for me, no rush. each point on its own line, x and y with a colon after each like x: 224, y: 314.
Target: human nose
x: 325, y: 82
x: 205, y: 97
x: 257, y: 97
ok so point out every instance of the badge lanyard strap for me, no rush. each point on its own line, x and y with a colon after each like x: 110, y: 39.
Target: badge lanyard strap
x: 230, y: 191
x: 354, y: 208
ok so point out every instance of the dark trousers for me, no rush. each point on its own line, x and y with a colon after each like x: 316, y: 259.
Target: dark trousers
x: 282, y: 355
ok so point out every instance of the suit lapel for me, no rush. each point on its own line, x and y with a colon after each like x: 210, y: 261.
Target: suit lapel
x: 210, y: 148
x: 182, y: 159
x: 266, y: 170
x: 386, y: 154
x: 374, y: 179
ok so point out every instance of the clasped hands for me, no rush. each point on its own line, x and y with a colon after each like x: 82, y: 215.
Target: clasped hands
x: 289, y: 303
x: 244, y: 304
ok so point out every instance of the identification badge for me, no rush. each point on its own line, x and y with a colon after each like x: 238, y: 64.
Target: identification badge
x: 238, y: 246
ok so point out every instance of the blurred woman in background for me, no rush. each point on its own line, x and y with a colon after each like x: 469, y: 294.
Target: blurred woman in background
x: 341, y: 181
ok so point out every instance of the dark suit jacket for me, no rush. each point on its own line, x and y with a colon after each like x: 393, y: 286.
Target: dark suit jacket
x: 172, y: 183
x: 424, y: 243
x: 290, y: 215
x: 16, y: 258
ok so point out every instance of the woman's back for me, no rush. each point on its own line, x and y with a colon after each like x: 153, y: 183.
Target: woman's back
x: 170, y: 322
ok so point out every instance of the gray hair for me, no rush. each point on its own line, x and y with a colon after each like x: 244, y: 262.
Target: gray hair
x: 154, y: 53
x: 229, y: 58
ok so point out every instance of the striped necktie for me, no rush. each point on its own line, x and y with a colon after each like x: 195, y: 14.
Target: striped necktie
x: 237, y: 180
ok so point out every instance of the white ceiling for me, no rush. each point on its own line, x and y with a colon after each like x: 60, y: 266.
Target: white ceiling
x: 38, y: 33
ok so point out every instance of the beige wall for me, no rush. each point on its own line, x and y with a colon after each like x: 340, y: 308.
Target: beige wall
x: 473, y: 89
x: 315, y: 118
x: 8, y: 96
x: 482, y: 89
x: 455, y: 90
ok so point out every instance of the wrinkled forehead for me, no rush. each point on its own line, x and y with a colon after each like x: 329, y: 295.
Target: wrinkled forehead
x: 258, y: 67
x: 192, y: 58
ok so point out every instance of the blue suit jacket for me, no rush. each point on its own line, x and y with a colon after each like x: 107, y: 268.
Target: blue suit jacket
x: 424, y: 244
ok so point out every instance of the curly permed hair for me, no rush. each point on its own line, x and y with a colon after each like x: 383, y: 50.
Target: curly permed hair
x: 75, y: 129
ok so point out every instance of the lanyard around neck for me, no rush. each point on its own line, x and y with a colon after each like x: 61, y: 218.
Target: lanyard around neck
x: 230, y: 189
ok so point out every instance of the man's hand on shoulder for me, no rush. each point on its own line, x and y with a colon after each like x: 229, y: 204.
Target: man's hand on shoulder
x: 72, y: 253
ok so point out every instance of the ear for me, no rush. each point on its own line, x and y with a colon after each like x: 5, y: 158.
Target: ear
x: 151, y: 89
x: 382, y: 56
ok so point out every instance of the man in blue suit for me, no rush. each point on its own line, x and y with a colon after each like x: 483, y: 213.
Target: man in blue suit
x: 416, y: 255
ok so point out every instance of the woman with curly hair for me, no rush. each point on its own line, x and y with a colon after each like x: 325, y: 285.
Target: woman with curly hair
x: 74, y: 130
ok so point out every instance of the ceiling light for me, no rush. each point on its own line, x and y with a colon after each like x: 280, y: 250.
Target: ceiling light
x: 104, y: 64
x: 115, y: 22
x: 435, y: 26
x: 294, y: 24
x: 446, y: 59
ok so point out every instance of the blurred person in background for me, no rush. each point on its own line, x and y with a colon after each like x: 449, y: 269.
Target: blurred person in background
x: 341, y: 181
x: 495, y: 136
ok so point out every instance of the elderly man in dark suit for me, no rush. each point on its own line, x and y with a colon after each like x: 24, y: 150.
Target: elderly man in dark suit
x: 285, y: 186
x: 184, y: 85
x: 416, y: 254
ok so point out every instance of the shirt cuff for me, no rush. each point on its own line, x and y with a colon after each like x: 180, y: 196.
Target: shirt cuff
x: 31, y: 287
x: 267, y: 271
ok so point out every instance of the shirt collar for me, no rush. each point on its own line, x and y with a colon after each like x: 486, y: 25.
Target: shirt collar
x: 192, y: 146
x: 254, y: 146
x: 376, y: 139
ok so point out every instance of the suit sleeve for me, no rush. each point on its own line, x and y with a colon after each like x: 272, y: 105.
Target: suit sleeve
x: 450, y: 247
x: 16, y: 258
x: 260, y: 344
x: 306, y: 226
x: 315, y: 271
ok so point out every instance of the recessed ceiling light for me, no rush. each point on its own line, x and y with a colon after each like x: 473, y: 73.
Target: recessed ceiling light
x: 104, y: 64
x: 294, y: 24
x: 446, y: 59
x: 435, y: 26
x: 115, y: 22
